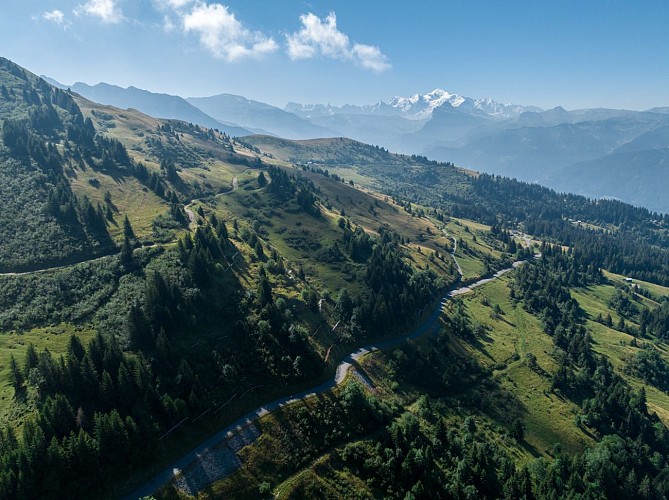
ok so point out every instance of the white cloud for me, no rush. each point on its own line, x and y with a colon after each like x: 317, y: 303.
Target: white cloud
x: 221, y: 33
x: 317, y: 35
x: 321, y: 36
x: 371, y: 57
x: 55, y: 16
x: 106, y: 10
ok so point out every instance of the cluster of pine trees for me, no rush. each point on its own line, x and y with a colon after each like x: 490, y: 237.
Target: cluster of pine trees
x: 397, y: 292
x: 98, y: 416
x: 41, y: 118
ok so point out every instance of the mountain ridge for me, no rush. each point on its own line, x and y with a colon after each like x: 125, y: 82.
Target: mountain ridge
x: 159, y: 105
x: 258, y: 115
x: 416, y: 107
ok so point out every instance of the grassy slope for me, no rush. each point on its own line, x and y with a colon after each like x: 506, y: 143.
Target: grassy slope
x: 470, y: 257
x: 504, y: 348
x: 616, y: 345
x: 657, y: 290
x: 364, y: 164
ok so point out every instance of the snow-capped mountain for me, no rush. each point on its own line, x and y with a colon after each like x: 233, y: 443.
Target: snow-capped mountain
x: 415, y: 107
x: 420, y: 107
x: 309, y: 111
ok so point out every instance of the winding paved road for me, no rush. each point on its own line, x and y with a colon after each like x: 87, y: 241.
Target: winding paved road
x: 455, y: 248
x: 430, y: 325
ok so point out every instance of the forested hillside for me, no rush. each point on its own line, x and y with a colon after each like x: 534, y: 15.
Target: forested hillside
x: 617, y: 236
x: 42, y: 222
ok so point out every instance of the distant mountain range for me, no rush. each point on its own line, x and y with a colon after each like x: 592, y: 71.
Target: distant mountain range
x: 150, y: 103
x: 259, y: 116
x: 559, y: 148
x: 416, y: 107
x: 585, y: 151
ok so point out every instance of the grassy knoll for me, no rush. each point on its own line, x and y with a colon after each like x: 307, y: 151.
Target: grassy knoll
x: 302, y: 239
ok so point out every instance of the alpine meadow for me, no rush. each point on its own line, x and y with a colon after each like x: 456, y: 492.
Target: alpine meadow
x: 310, y: 292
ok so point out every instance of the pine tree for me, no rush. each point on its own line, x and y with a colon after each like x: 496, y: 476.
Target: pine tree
x: 127, y: 229
x: 31, y: 359
x: 75, y: 349
x: 517, y: 431
x: 260, y: 253
x: 126, y: 254
x: 264, y: 289
x: 16, y: 375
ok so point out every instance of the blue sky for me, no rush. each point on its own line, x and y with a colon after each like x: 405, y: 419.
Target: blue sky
x: 583, y: 53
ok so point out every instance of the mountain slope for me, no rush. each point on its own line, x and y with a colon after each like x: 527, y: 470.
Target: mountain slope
x: 447, y: 125
x: 251, y: 268
x: 42, y: 222
x: 53, y: 82
x: 637, y: 177
x: 527, y: 153
x: 258, y: 115
x: 653, y: 139
x: 386, y: 130
x: 215, y: 295
x: 518, y: 141
x: 158, y: 105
